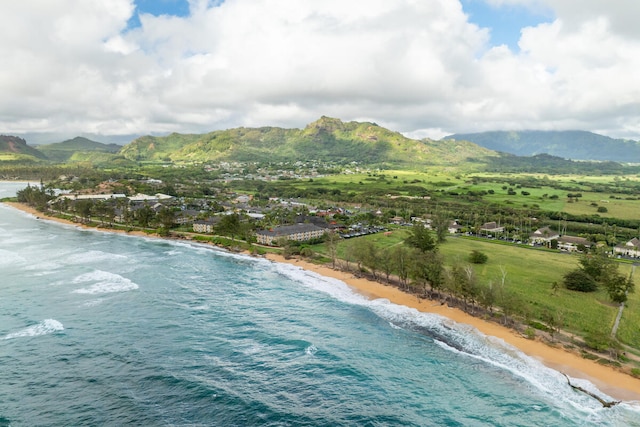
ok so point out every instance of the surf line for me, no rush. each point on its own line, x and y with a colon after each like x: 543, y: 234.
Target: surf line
x: 606, y: 404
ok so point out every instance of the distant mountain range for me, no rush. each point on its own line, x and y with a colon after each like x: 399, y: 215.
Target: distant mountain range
x: 328, y: 140
x: 66, y: 150
x: 325, y: 140
x: 575, y: 145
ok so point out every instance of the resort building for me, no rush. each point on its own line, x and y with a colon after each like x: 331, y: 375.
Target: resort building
x: 206, y: 226
x: 491, y: 228
x: 298, y: 233
x: 572, y: 243
x: 630, y: 249
x: 454, y: 227
x: 543, y: 236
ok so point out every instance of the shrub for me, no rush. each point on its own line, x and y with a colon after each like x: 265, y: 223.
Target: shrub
x: 579, y: 280
x: 598, y: 341
x: 602, y: 209
x: 477, y: 257
x: 307, y: 252
x: 530, y: 333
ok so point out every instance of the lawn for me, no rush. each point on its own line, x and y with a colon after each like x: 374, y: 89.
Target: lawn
x: 530, y: 275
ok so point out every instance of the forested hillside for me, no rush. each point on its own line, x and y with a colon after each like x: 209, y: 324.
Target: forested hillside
x: 326, y: 139
x: 66, y: 150
x: 576, y: 145
x: 14, y: 148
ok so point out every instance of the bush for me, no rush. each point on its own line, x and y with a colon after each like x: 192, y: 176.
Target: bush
x: 598, y: 341
x: 307, y: 252
x: 530, y: 333
x: 477, y: 257
x: 602, y: 209
x: 579, y: 280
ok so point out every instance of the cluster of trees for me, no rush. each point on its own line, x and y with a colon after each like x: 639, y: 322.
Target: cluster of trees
x: 417, y: 266
x: 35, y: 196
x: 598, y: 270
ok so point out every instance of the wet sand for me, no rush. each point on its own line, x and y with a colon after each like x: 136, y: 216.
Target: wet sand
x: 609, y: 380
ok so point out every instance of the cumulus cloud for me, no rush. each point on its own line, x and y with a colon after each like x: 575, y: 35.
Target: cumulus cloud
x: 416, y: 67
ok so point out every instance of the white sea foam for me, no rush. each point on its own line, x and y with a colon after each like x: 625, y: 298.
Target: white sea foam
x: 47, y: 326
x: 311, y: 350
x: 467, y: 341
x: 94, y: 256
x: 104, y: 282
x: 10, y: 258
x: 13, y: 240
x: 43, y: 267
x: 173, y: 252
x: 93, y: 302
x: 334, y: 287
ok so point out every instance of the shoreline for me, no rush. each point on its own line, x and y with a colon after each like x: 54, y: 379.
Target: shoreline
x: 609, y: 380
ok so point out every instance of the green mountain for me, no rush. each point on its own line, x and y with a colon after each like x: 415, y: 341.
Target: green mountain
x: 13, y: 148
x: 326, y: 139
x: 576, y: 145
x: 77, y: 149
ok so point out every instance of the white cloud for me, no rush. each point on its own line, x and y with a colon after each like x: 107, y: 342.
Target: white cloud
x: 415, y: 66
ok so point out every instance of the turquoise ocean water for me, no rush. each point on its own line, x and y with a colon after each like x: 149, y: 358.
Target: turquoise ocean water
x: 107, y: 329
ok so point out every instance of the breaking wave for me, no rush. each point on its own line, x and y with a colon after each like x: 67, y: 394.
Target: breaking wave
x: 47, y: 326
x: 103, y: 283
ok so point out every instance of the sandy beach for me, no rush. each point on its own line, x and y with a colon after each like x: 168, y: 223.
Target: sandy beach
x: 611, y: 381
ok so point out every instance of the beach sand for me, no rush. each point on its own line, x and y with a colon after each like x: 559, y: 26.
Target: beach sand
x: 608, y: 379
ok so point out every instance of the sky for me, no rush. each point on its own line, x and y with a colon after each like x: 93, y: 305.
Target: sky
x: 427, y: 68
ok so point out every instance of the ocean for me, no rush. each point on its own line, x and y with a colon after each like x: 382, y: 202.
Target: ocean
x: 105, y: 329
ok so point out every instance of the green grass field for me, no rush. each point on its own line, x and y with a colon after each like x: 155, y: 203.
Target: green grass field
x: 530, y: 275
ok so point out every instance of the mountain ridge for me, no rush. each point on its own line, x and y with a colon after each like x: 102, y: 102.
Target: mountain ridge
x: 570, y: 144
x: 330, y: 140
x: 19, y: 149
x: 326, y: 139
x: 68, y: 149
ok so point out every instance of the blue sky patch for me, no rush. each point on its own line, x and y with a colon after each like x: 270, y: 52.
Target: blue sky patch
x: 157, y: 8
x: 505, y: 22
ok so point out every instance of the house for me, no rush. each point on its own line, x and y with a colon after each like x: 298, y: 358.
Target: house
x: 630, y: 249
x: 242, y: 199
x: 543, y: 236
x: 491, y: 228
x: 454, y: 227
x: 299, y: 233
x: 397, y: 220
x: 571, y: 243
